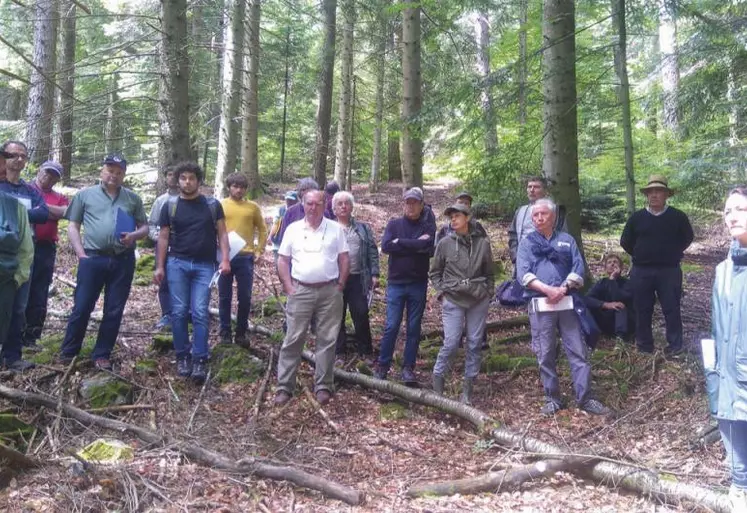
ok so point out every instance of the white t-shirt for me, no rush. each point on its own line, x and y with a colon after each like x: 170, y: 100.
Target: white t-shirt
x: 314, y: 253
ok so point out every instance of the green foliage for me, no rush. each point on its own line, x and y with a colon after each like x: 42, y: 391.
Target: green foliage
x: 146, y: 366
x: 393, y: 411
x: 162, y: 343
x: 498, y: 362
x: 144, y: 270
x: 234, y: 364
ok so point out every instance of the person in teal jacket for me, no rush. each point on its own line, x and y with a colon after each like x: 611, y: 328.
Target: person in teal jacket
x: 727, y: 386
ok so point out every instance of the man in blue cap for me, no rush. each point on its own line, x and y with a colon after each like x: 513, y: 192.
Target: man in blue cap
x: 45, y: 250
x: 12, y: 184
x: 113, y: 220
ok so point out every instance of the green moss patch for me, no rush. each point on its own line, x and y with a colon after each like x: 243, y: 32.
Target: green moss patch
x: 162, y: 343
x: 146, y: 366
x: 234, y: 364
x: 144, y: 270
x: 50, y: 348
x: 502, y: 362
x: 104, y: 390
x: 393, y: 411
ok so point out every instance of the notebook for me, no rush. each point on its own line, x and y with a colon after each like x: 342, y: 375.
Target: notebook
x: 123, y: 223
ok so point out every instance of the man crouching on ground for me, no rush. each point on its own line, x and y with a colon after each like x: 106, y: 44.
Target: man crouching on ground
x: 549, y: 265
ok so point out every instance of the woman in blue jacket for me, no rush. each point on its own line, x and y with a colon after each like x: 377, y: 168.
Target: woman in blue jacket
x: 728, y: 386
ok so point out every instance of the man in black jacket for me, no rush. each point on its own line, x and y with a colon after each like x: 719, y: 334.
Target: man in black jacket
x: 610, y: 301
x: 656, y: 237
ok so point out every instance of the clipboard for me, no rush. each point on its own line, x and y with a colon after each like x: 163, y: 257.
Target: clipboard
x: 123, y: 223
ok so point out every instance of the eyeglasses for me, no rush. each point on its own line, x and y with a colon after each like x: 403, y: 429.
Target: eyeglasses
x: 19, y: 156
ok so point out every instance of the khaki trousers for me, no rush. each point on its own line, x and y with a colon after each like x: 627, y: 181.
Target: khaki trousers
x: 325, y: 303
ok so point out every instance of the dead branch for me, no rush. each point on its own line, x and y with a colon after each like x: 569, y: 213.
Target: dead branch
x: 318, y: 407
x: 495, y: 482
x: 511, y: 322
x: 398, y: 447
x: 199, y: 401
x: 252, y: 328
x: 263, y: 385
x: 645, y: 482
x: 65, y: 281
x: 210, y: 458
x: 18, y: 459
x: 121, y: 408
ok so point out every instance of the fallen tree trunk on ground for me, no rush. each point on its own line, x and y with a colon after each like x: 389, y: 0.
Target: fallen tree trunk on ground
x: 511, y: 322
x: 644, y: 481
x: 253, y: 328
x: 247, y: 466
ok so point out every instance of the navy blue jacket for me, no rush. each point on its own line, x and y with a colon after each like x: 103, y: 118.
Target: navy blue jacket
x: 38, y: 213
x: 409, y: 257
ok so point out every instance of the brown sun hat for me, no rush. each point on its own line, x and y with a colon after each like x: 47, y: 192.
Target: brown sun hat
x: 657, y: 182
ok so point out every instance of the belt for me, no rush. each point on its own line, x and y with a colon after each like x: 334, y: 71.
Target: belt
x: 316, y: 285
x: 107, y: 252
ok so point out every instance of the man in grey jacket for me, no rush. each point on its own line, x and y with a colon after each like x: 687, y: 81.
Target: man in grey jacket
x: 521, y: 225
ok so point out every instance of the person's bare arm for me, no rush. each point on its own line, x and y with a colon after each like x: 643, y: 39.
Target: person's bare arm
x: 343, y: 263
x: 73, y: 233
x: 285, y: 275
x: 225, y: 251
x: 162, y: 248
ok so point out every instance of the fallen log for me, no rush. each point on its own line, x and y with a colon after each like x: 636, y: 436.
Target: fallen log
x: 646, y: 482
x: 18, y: 459
x: 505, y: 480
x: 511, y: 322
x: 246, y: 466
x: 253, y: 328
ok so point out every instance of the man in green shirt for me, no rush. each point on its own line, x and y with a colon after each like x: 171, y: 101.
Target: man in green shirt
x: 113, y: 220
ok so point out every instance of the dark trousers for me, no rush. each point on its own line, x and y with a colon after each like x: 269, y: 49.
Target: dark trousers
x: 113, y: 275
x: 616, y: 323
x: 7, y: 295
x: 164, y: 297
x: 242, y: 267
x: 11, y: 351
x: 41, y: 279
x: 354, y: 297
x: 664, y: 283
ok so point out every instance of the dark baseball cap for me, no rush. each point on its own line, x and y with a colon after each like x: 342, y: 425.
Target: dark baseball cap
x: 415, y: 193
x: 457, y: 207
x: 464, y: 194
x: 51, y: 165
x: 116, y: 159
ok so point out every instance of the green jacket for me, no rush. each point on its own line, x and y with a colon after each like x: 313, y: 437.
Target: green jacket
x: 462, y: 268
x: 17, y: 251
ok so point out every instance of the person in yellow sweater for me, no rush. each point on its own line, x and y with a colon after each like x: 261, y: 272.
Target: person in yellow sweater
x: 245, y: 218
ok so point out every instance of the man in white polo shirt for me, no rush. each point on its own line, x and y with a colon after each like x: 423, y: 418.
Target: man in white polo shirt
x: 313, y: 265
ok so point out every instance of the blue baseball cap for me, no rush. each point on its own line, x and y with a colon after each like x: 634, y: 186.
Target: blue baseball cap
x: 116, y: 159
x: 51, y: 165
x: 291, y: 195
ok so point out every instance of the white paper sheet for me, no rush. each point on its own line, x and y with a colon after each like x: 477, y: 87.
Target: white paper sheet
x: 708, y: 349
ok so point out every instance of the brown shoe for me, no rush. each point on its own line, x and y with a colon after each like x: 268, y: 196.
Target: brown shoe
x: 103, y: 364
x: 323, y: 396
x: 281, y: 397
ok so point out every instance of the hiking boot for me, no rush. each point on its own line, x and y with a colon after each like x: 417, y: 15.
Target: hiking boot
x: 438, y: 384
x: 199, y: 371
x: 551, y: 408
x: 103, y: 364
x: 380, y: 372
x: 467, y: 391
x: 64, y: 360
x: 20, y: 365
x: 164, y: 324
x: 184, y: 366
x: 281, y: 397
x: 242, y: 340
x: 408, y: 376
x: 323, y: 396
x: 225, y: 338
x: 645, y: 350
x: 672, y: 352
x: 595, y: 407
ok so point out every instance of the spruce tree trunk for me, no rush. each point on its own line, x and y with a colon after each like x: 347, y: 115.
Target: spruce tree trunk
x: 112, y: 128
x: 285, y: 103
x: 228, y: 131
x: 670, y: 73
x: 734, y: 85
x: 67, y: 82
x: 393, y: 81
x: 623, y: 92
x: 325, y: 84
x: 346, y: 82
x: 40, y: 111
x: 174, y: 85
x: 560, y: 163
x: 523, y: 62
x: 482, y: 41
x: 412, y: 132
x: 250, y: 129
x: 379, y: 63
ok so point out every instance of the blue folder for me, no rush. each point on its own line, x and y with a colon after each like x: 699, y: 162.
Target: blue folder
x: 123, y: 223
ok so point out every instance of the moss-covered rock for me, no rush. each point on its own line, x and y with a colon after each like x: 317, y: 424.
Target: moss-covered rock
x: 234, y: 364
x: 144, y: 270
x: 502, y: 362
x: 393, y: 411
x: 11, y: 426
x: 104, y: 390
x: 162, y: 343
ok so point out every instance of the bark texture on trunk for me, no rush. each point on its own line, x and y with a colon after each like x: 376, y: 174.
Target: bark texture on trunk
x: 670, y: 72
x: 379, y: 63
x: 67, y: 82
x: 325, y: 84
x: 560, y: 162
x: 346, y: 84
x: 412, y: 130
x: 250, y: 128
x: 40, y: 110
x: 482, y: 40
x: 523, y: 8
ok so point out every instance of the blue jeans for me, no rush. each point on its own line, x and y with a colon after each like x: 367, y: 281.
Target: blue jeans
x: 113, y: 275
x: 398, y: 297
x: 41, y: 279
x: 189, y: 284
x: 734, y: 436
x: 11, y: 351
x: 242, y: 267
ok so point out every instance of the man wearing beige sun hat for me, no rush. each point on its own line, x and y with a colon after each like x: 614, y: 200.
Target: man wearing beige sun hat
x: 656, y: 238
